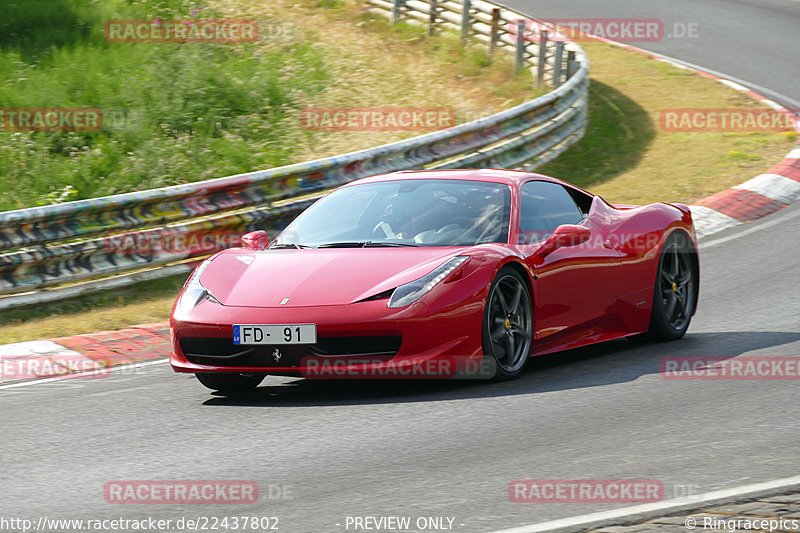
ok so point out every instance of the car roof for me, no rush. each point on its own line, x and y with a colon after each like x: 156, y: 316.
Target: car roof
x: 494, y: 175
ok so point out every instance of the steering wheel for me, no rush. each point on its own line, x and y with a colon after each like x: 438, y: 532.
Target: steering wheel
x: 383, y: 230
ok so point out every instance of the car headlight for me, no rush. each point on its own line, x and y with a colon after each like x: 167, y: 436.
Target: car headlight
x: 411, y: 292
x: 195, y: 292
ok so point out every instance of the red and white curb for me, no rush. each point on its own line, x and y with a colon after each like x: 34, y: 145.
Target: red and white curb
x: 37, y: 359
x: 91, y: 355
x: 755, y: 198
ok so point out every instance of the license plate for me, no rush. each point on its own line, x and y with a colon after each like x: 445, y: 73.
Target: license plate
x: 275, y: 334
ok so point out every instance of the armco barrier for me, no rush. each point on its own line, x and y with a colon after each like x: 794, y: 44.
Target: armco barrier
x: 65, y: 243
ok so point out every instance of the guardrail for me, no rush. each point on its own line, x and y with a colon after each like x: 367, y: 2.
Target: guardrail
x: 49, y: 246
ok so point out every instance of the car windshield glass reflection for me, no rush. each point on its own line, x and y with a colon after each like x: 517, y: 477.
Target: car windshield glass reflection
x: 404, y: 212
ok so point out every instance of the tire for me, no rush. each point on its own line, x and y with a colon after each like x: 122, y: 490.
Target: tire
x: 507, y: 330
x: 230, y: 382
x: 675, y: 290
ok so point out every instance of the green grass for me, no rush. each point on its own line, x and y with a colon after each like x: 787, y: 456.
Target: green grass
x: 140, y: 303
x: 446, y: 46
x: 173, y: 113
x: 626, y: 157
x: 618, y: 133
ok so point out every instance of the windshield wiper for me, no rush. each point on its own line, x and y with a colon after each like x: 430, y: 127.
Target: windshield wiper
x: 348, y: 244
x: 377, y: 244
x: 284, y: 245
x: 363, y: 244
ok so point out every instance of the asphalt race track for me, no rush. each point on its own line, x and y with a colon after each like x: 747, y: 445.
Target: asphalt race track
x: 451, y: 449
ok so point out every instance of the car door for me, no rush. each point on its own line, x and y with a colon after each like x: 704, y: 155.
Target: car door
x: 576, y: 287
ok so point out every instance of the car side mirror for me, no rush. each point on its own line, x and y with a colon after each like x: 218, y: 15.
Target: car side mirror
x: 255, y: 240
x: 564, y: 236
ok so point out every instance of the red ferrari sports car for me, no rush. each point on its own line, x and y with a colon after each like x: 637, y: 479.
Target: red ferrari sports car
x: 436, y: 274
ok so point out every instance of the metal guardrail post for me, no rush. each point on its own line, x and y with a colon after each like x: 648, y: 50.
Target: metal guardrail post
x: 558, y: 63
x: 572, y: 65
x: 493, y: 33
x: 397, y: 6
x: 432, y: 16
x: 519, y: 56
x: 466, y: 24
x: 542, y: 58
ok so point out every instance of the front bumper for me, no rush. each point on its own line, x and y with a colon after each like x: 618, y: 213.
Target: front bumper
x: 360, y: 340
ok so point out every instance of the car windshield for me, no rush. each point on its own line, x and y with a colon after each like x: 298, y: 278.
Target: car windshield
x: 405, y: 212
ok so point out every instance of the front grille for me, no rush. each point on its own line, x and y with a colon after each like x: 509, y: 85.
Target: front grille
x: 383, y: 345
x: 212, y: 346
x: 222, y: 352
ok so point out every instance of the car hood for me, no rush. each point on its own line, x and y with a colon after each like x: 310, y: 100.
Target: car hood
x: 309, y: 277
